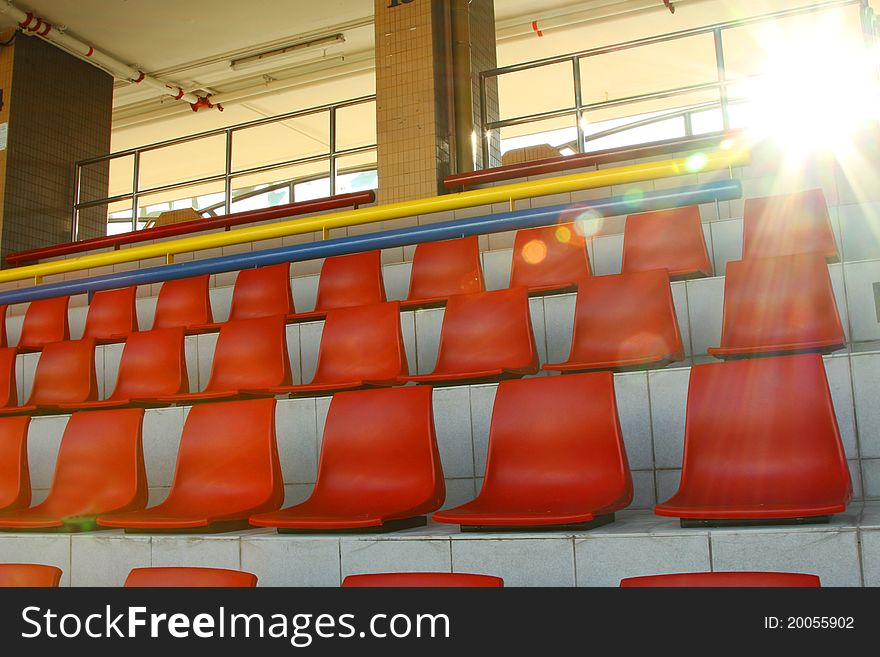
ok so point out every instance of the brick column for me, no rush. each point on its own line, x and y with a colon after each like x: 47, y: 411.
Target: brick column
x: 56, y: 110
x: 416, y: 123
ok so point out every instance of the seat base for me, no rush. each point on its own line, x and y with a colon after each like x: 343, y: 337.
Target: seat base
x: 753, y: 522
x: 721, y: 354
x: 598, y: 521
x: 210, y: 528
x: 86, y: 525
x: 384, y: 528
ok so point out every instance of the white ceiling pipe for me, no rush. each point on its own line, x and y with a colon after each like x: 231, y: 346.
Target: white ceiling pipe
x: 35, y: 26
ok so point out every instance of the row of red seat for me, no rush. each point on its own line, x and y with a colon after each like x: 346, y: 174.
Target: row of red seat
x: 33, y: 575
x: 556, y: 459
x: 547, y: 259
x: 771, y: 305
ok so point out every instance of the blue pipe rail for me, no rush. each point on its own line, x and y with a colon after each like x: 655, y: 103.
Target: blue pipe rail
x: 724, y: 190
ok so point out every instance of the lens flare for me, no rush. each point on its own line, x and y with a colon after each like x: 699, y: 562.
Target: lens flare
x: 563, y: 234
x: 696, y: 162
x: 534, y: 252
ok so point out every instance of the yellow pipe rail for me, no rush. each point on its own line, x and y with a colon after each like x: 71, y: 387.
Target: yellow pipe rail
x: 502, y: 194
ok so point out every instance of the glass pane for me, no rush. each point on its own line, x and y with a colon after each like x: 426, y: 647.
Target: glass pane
x: 190, y: 160
x: 93, y: 181
x: 117, y: 217
x: 281, y: 141
x: 536, y: 90
x: 206, y: 198
x: 356, y: 173
x: 559, y: 133
x: 356, y: 126
x: 669, y: 65
x: 265, y: 189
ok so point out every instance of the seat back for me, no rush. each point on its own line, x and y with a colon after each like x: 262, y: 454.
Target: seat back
x: 788, y: 224
x: 251, y: 354
x: 112, y: 314
x: 363, y: 343
x: 549, y: 258
x: 723, y: 580
x: 153, y: 364
x: 228, y: 460
x: 626, y: 319
x: 441, y: 269
x: 350, y: 280
x: 761, y: 432
x: 184, y: 302
x: 45, y: 322
x: 3, y: 309
x: 29, y: 575
x: 487, y: 330
x: 15, y: 481
x: 415, y: 580
x: 666, y: 239
x: 100, y: 467
x: 555, y: 439
x: 8, y: 387
x: 780, y: 304
x: 262, y: 292
x: 379, y: 446
x: 65, y: 374
x: 189, y: 578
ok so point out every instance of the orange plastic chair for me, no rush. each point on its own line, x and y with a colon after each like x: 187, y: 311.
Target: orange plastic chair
x: 8, y: 387
x: 442, y: 269
x: 421, y: 580
x: 723, y: 580
x: 184, y: 303
x: 549, y: 259
x: 153, y: 364
x: 45, y: 322
x: 761, y: 444
x: 379, y: 468
x: 347, y: 281
x: 624, y: 321
x: 100, y: 469
x: 15, y: 481
x: 779, y: 305
x: 259, y: 292
x: 112, y: 315
x: 788, y: 224
x: 3, y: 309
x: 227, y: 469
x: 667, y: 239
x: 65, y: 375
x: 29, y: 575
x: 360, y: 347
x: 556, y: 457
x: 485, y: 336
x: 189, y: 578
x: 250, y: 357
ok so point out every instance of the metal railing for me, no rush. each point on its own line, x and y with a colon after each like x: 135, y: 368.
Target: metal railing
x: 721, y: 84
x: 229, y: 174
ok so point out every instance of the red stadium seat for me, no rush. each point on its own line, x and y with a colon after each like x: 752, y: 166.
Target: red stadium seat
x: 29, y: 575
x: 556, y: 457
x: 227, y: 469
x: 260, y: 292
x: 549, y: 259
x: 422, y: 580
x: 360, y: 347
x: 788, y: 224
x: 723, y: 580
x: 45, y: 322
x: 624, y: 321
x: 379, y: 468
x: 779, y: 305
x: 441, y: 269
x: 250, y: 357
x: 3, y: 309
x: 112, y: 315
x: 100, y: 469
x: 15, y: 482
x: 667, y: 239
x: 184, y: 303
x: 485, y: 336
x: 65, y: 375
x: 761, y: 445
x: 189, y: 578
x: 347, y: 281
x: 152, y: 365
x: 8, y: 387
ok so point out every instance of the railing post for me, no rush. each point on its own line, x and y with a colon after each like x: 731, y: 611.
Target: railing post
x: 578, y: 103
x: 332, y: 150
x: 722, y: 76
x: 227, y: 180
x: 136, y: 170
x: 484, y: 115
x: 77, y: 189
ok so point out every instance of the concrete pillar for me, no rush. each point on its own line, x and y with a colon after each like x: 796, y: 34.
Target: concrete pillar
x: 56, y: 110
